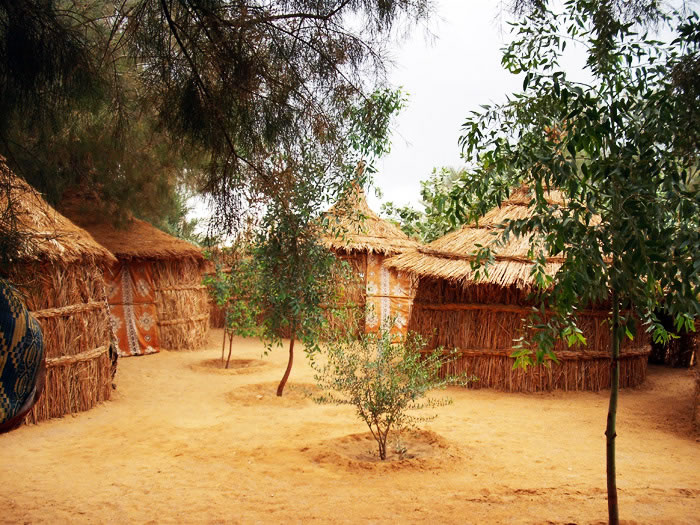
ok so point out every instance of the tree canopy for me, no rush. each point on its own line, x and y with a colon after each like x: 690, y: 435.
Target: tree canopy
x: 437, y: 216
x: 137, y: 98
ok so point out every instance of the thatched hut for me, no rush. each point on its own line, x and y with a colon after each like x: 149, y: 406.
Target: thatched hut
x: 154, y: 289
x: 61, y: 282
x: 482, y: 317
x: 365, y: 241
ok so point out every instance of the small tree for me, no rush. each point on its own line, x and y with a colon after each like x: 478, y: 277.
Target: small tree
x: 295, y: 276
x: 384, y: 379
x: 622, y: 151
x: 232, y: 289
x: 297, y: 273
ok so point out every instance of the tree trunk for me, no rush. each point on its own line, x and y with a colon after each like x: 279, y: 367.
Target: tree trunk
x: 383, y: 437
x: 280, y: 388
x: 223, y: 346
x: 230, y: 347
x: 610, y: 432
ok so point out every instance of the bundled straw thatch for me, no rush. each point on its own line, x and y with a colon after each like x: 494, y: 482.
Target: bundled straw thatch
x: 363, y: 231
x: 217, y: 315
x: 450, y: 256
x: 156, y: 285
x: 182, y: 303
x: 364, y: 241
x: 60, y: 279
x: 481, y: 318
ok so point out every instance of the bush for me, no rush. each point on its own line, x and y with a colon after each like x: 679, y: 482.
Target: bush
x: 231, y: 291
x: 384, y: 378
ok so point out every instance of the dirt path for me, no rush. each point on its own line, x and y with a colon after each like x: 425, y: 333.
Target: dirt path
x: 184, y: 442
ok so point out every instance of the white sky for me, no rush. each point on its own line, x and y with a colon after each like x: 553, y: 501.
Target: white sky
x: 446, y: 77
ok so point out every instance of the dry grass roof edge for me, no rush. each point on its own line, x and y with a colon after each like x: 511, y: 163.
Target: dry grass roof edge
x: 136, y: 240
x: 450, y: 256
x: 53, y: 237
x: 362, y: 230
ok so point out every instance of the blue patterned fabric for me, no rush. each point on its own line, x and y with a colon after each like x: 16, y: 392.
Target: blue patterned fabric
x: 21, y: 352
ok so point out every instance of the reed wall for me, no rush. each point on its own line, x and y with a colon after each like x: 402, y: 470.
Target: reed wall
x: 70, y: 304
x: 482, y: 322
x: 217, y: 315
x: 182, y: 302
x: 696, y: 402
x: 348, y: 311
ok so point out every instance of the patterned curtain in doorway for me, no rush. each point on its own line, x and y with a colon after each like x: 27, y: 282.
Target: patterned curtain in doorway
x: 131, y: 296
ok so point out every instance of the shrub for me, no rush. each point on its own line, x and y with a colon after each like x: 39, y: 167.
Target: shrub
x: 383, y: 377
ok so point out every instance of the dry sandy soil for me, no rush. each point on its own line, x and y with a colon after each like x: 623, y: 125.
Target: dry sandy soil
x: 184, y: 442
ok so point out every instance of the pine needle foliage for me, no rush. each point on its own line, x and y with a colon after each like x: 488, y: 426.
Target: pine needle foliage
x: 252, y: 81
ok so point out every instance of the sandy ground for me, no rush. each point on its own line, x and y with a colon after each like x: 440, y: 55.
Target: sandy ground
x: 184, y: 442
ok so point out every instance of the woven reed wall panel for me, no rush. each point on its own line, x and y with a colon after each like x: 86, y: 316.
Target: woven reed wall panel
x: 182, y: 303
x: 217, y: 315
x: 486, y: 335
x: 497, y: 372
x: 77, y: 385
x: 350, y: 305
x: 696, y: 401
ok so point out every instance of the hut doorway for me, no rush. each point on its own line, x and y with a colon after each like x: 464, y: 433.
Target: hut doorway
x: 382, y: 295
x: 134, y: 317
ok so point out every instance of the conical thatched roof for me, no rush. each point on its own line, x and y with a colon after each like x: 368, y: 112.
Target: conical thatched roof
x: 362, y: 230
x: 51, y: 236
x: 450, y: 256
x: 136, y: 240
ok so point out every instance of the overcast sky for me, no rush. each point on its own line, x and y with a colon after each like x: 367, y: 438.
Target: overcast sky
x: 446, y: 77
x: 447, y: 68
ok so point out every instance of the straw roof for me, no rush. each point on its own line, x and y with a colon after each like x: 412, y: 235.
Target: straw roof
x: 363, y: 230
x: 52, y: 237
x: 136, y: 240
x: 450, y: 256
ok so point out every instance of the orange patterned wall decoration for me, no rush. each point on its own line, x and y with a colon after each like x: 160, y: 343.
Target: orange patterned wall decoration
x: 131, y: 295
x: 389, y: 296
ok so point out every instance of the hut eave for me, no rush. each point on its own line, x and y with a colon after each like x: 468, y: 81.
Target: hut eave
x: 139, y: 240
x: 52, y: 236
x: 503, y: 271
x: 371, y: 244
x: 359, y: 229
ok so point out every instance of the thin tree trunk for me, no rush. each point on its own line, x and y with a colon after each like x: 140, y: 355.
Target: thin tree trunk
x: 382, y: 448
x: 280, y: 388
x: 230, y: 347
x: 223, y: 346
x: 610, y: 431
x: 385, y: 438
